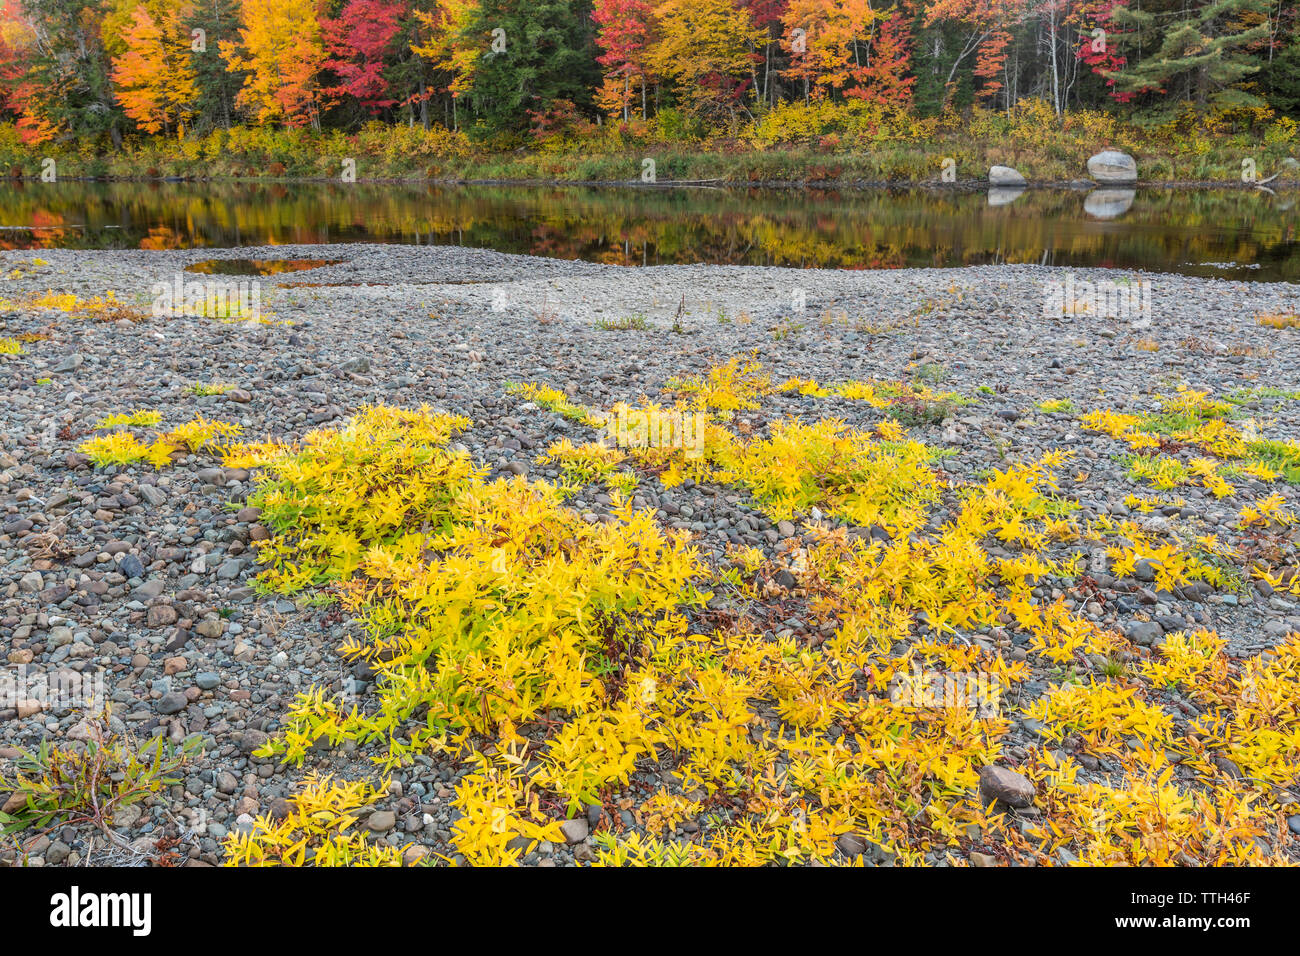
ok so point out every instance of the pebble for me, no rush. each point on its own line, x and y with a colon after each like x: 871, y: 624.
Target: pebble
x: 1008, y: 786
x: 158, y: 581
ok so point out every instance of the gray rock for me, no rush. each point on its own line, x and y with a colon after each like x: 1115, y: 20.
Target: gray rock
x: 150, y: 589
x: 851, y: 845
x: 1145, y: 633
x: 1005, y: 176
x: 153, y: 494
x: 57, y: 853
x: 172, y: 703
x: 575, y: 830
x: 1112, y: 166
x: 230, y: 569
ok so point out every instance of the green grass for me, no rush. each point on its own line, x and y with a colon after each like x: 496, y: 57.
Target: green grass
x: 629, y: 323
x: 1282, y: 457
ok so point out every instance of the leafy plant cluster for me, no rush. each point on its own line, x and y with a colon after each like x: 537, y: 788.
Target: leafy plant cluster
x: 1190, y: 420
x: 123, y: 448
x: 88, y: 782
x: 559, y: 658
x: 317, y: 831
x: 105, y: 308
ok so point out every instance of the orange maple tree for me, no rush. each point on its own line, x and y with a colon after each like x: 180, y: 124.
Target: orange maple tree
x: 282, y: 49
x: 155, y: 77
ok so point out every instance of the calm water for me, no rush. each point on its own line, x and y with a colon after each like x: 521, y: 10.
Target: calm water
x: 1231, y: 233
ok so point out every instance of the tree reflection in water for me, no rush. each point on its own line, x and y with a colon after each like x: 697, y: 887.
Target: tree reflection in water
x: 1230, y: 233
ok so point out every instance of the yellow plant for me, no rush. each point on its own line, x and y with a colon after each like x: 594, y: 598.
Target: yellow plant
x: 736, y: 385
x: 1265, y: 512
x: 119, y: 448
x: 556, y: 401
x: 558, y: 658
x: 200, y: 433
x: 315, y: 832
x: 137, y: 417
x: 590, y: 462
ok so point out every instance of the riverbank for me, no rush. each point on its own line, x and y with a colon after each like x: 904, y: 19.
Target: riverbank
x: 1095, y: 565
x: 909, y: 153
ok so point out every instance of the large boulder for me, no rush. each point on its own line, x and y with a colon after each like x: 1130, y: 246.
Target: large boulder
x: 1112, y: 166
x: 1005, y: 176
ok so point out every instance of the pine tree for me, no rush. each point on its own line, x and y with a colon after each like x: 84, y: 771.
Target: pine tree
x: 217, y: 84
x: 1204, y: 55
x: 1280, y: 75
x: 67, y: 78
x: 549, y: 55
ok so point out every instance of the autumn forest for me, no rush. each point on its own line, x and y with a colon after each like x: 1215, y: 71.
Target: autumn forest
x: 505, y: 73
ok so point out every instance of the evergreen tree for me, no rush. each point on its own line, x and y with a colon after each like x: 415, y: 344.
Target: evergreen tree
x: 68, y: 68
x: 549, y: 55
x: 217, y: 83
x: 1203, y: 51
x: 1280, y: 76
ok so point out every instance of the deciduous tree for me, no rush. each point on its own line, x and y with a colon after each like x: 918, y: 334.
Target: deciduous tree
x: 154, y: 74
x: 281, y: 47
x: 706, y: 50
x: 360, y: 44
x: 623, y: 32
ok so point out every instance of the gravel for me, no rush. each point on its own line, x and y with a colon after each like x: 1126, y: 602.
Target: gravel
x: 147, y: 574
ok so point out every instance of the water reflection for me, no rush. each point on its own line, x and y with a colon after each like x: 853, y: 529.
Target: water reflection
x: 257, y: 267
x: 1005, y: 195
x: 1109, y: 203
x: 1249, y: 235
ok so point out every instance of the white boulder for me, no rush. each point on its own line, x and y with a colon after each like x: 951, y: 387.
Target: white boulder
x: 1112, y: 166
